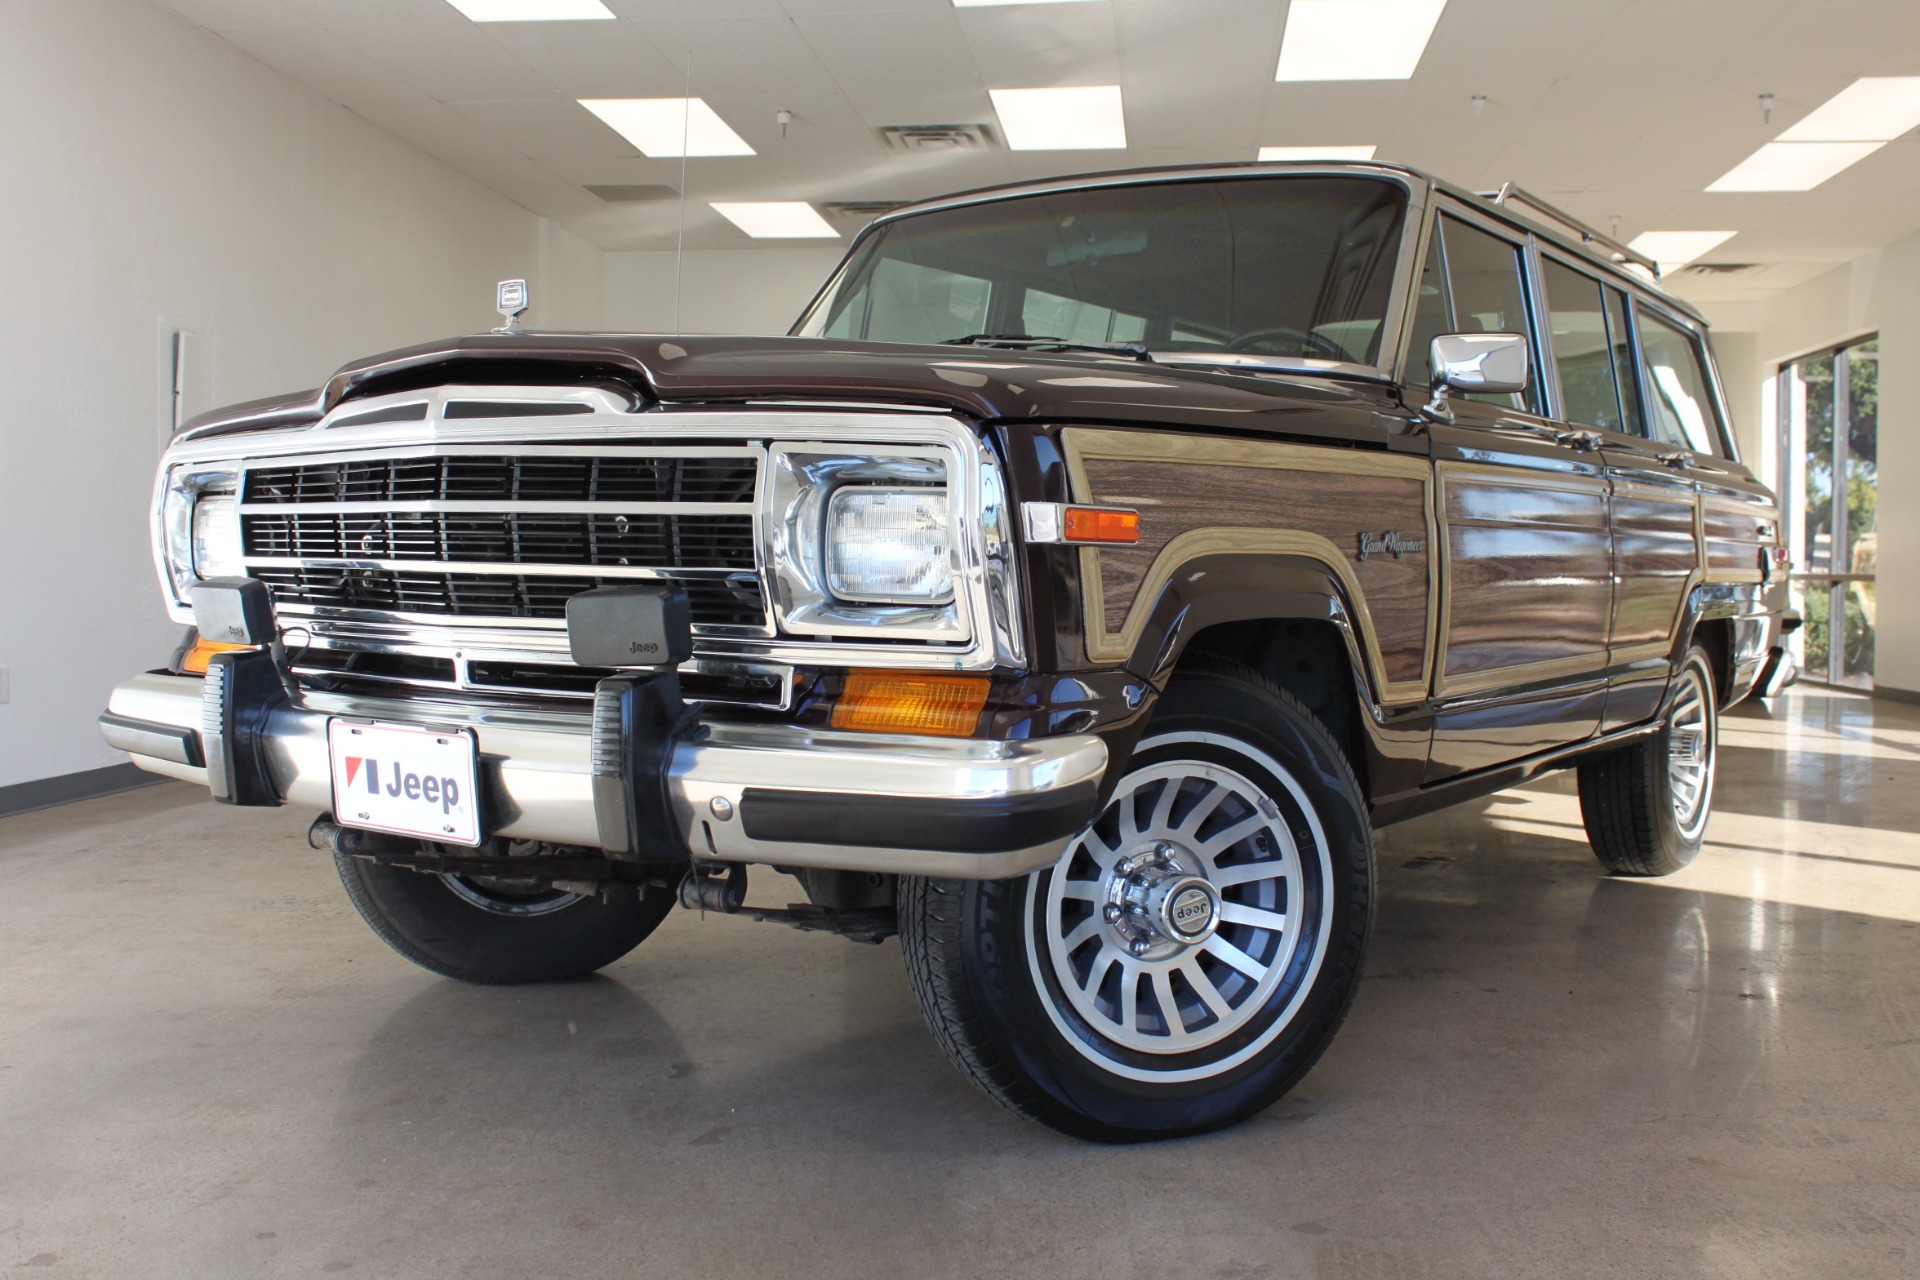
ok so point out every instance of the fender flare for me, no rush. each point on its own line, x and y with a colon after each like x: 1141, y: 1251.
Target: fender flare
x: 1232, y: 587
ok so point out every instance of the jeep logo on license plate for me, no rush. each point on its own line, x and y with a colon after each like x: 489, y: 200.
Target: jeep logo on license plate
x: 406, y: 780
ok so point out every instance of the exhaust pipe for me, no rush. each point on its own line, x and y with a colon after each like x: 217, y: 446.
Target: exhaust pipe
x: 330, y: 836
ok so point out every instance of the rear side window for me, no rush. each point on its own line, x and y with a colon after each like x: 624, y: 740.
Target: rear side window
x: 1483, y: 286
x: 1582, y: 352
x: 1680, y: 406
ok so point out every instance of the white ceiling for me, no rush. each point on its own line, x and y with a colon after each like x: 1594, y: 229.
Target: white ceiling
x: 1624, y: 108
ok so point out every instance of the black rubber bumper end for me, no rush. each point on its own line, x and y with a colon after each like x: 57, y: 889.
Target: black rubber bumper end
x: 942, y: 825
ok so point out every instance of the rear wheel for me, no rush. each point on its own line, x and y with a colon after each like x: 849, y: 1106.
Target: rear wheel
x: 1190, y: 956
x: 1646, y: 806
x: 494, y: 930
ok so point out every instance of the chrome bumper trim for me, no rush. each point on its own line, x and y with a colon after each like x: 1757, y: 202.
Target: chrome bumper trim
x: 536, y: 771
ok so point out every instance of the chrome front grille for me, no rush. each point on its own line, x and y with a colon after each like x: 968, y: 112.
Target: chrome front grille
x: 626, y: 475
x: 470, y: 532
x: 491, y: 595
x: 711, y: 542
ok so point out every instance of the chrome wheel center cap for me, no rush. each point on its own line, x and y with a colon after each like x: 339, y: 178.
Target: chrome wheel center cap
x: 1185, y: 909
x: 1158, y: 906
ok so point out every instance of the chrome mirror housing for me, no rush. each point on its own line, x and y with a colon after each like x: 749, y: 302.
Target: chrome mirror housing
x: 1490, y: 362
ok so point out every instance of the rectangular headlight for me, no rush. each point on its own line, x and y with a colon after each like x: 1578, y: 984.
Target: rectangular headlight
x: 198, y: 535
x: 216, y: 537
x: 889, y: 546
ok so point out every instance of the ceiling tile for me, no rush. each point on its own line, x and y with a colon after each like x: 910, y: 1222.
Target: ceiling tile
x: 907, y: 54
x: 436, y: 129
x: 217, y: 15
x: 1223, y: 125
x: 321, y: 59
x: 341, y: 13
x: 534, y: 187
x: 447, y: 62
x: 1199, y: 42
x: 739, y: 55
x: 545, y: 127
x: 592, y: 59
x: 1043, y: 46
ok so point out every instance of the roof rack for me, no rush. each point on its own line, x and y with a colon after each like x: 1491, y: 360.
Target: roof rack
x: 1509, y: 194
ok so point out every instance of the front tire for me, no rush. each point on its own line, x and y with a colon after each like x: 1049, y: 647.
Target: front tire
x: 496, y: 932
x: 1191, y: 955
x: 1646, y: 806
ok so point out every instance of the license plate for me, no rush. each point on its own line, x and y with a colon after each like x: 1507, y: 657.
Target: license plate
x: 404, y: 779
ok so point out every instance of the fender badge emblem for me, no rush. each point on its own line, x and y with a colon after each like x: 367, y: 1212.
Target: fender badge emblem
x: 1390, y: 542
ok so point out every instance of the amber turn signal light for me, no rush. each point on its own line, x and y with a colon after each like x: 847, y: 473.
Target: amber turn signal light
x: 911, y: 702
x: 1099, y: 524
x: 195, y: 663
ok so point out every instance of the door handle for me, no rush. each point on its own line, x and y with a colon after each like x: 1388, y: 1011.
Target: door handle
x: 1583, y: 441
x: 1680, y: 460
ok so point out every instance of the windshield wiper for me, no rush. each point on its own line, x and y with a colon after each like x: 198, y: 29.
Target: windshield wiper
x: 1027, y: 342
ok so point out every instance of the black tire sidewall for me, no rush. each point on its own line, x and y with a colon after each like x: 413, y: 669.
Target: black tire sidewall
x: 1099, y: 1104
x: 1676, y: 849
x: 420, y: 917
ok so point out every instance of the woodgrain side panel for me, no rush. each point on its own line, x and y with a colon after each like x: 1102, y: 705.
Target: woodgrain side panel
x: 1732, y: 530
x: 1177, y: 500
x: 1210, y: 496
x: 1655, y: 558
x: 1529, y: 576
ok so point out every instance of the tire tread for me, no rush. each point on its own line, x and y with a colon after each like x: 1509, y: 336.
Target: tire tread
x: 1624, y: 806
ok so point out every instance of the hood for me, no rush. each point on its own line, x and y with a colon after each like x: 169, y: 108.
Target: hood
x: 982, y: 383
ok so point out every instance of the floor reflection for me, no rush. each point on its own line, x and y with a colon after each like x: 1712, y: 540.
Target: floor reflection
x: 1812, y: 807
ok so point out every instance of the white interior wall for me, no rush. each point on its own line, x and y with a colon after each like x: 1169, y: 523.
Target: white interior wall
x: 757, y: 291
x: 1738, y: 355
x: 155, y: 176
x: 1876, y: 293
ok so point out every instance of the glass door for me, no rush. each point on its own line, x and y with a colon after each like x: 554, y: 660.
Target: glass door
x: 1829, y: 450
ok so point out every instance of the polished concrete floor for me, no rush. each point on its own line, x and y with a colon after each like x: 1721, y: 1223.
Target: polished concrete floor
x: 209, y: 1067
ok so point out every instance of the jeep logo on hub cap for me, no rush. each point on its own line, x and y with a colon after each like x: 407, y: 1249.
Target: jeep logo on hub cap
x: 1191, y: 912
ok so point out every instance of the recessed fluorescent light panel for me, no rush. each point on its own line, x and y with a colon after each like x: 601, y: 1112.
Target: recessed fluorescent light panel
x: 1356, y: 39
x: 1874, y: 109
x: 1793, y: 166
x: 1845, y: 129
x: 1673, y: 249
x: 1317, y: 153
x: 664, y: 126
x: 533, y: 10
x: 1090, y: 119
x: 776, y: 219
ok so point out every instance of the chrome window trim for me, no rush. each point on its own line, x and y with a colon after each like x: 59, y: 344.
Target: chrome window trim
x: 1583, y: 266
x: 1533, y: 302
x: 1710, y: 365
x: 986, y: 577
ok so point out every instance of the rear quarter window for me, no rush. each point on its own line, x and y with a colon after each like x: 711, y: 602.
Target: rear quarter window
x: 1680, y: 403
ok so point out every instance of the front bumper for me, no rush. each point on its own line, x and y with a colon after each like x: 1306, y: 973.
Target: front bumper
x: 958, y: 808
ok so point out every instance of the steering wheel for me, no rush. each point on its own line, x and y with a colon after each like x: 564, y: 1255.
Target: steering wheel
x: 1305, y: 339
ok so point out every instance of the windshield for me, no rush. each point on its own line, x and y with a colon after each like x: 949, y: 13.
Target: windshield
x: 1290, y: 266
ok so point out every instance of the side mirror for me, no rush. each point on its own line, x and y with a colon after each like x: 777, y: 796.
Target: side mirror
x: 1490, y: 362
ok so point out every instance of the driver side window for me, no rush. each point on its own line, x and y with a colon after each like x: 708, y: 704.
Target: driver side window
x: 1485, y: 295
